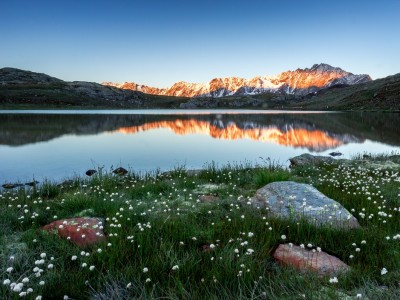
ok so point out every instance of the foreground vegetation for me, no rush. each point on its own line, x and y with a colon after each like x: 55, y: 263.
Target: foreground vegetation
x: 164, y: 242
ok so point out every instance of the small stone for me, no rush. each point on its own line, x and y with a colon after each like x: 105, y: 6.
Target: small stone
x: 208, y: 198
x: 120, y: 171
x: 306, y: 260
x: 335, y: 154
x: 90, y: 172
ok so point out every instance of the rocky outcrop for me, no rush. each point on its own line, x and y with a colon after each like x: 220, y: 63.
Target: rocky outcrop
x: 309, y: 260
x: 308, y: 159
x: 82, y: 232
x: 208, y: 198
x: 298, y: 201
x: 299, y: 82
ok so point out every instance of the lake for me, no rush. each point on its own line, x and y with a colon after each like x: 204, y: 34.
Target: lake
x: 60, y: 144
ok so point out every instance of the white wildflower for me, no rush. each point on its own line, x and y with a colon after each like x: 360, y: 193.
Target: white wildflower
x: 333, y: 280
x: 6, y: 282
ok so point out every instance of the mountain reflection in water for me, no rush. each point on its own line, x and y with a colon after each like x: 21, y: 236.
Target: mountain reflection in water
x: 316, y: 132
x: 312, y: 139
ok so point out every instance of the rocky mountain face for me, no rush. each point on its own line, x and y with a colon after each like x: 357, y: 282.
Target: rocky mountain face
x: 299, y: 83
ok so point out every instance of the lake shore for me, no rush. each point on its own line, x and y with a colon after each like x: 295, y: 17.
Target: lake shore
x: 196, y: 235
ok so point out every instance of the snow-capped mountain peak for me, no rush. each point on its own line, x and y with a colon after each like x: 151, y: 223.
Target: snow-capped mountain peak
x: 298, y: 82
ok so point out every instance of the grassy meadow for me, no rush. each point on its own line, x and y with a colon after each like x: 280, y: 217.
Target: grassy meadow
x: 163, y: 242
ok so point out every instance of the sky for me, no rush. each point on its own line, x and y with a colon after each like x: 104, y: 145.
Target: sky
x: 161, y: 42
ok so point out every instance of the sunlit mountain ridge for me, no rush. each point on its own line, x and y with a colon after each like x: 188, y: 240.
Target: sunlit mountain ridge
x: 298, y: 82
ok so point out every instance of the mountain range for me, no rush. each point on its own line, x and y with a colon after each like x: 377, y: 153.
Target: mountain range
x: 321, y: 87
x: 299, y: 82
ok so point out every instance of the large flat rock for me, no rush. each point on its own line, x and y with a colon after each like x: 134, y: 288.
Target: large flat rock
x: 299, y: 201
x: 306, y: 260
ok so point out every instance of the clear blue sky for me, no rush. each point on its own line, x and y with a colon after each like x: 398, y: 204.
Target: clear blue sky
x: 161, y: 42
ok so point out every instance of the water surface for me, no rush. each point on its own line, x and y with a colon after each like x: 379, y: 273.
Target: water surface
x: 60, y: 144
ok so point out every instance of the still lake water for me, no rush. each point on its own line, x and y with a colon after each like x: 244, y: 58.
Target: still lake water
x: 61, y: 144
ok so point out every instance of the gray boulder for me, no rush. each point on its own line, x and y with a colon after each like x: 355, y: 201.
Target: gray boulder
x: 308, y: 159
x: 297, y: 201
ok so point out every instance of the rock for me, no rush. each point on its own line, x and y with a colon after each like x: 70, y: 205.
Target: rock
x: 306, y: 260
x: 208, y: 198
x: 90, y: 172
x: 11, y: 185
x: 335, y: 154
x: 308, y: 159
x: 299, y: 201
x: 32, y: 183
x: 120, y: 171
x: 80, y: 231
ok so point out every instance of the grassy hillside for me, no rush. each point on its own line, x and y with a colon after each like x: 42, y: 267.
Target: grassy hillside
x: 21, y: 89
x: 380, y: 94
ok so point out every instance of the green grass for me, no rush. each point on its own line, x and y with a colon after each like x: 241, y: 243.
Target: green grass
x: 175, y: 226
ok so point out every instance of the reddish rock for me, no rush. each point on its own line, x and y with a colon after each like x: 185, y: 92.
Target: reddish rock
x: 208, y: 198
x: 306, y: 260
x: 81, y: 231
